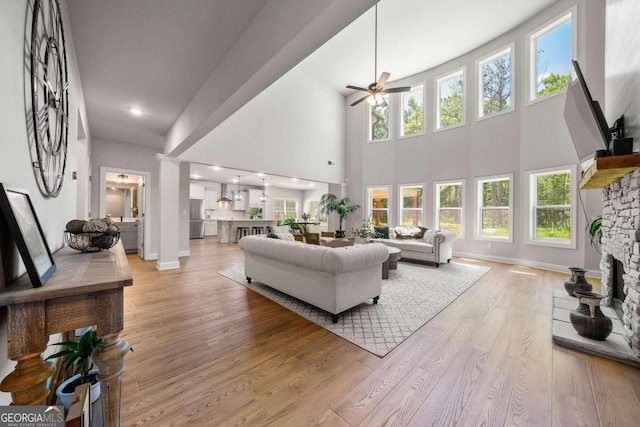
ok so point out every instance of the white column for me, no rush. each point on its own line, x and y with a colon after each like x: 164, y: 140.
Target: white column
x: 169, y: 195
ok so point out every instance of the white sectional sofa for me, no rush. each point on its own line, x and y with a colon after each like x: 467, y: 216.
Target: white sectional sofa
x: 333, y: 279
x: 436, y: 247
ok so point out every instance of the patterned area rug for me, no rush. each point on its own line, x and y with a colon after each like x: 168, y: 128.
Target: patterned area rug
x: 411, y: 297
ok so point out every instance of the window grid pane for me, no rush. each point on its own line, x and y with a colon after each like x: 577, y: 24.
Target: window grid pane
x: 495, y: 222
x: 413, y: 112
x: 412, y: 204
x: 496, y: 85
x: 450, y: 101
x: 379, y: 206
x: 379, y: 121
x: 494, y: 208
x: 552, y: 51
x: 552, y: 207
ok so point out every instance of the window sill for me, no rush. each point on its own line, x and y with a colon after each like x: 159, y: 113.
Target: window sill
x: 544, y: 98
x: 413, y: 135
x: 551, y: 244
x: 498, y: 114
x: 436, y: 130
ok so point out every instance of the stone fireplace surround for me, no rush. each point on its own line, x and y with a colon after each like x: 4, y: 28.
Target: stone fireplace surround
x: 621, y: 241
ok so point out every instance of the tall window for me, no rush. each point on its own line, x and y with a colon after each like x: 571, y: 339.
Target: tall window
x: 285, y: 208
x: 494, y: 83
x: 378, y: 205
x: 412, y: 117
x: 550, y: 213
x: 450, y: 100
x: 449, y: 207
x: 379, y: 123
x: 551, y: 49
x: 411, y: 204
x: 494, y: 208
x: 315, y: 213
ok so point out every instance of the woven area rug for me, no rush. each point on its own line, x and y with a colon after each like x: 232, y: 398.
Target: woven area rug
x: 411, y: 297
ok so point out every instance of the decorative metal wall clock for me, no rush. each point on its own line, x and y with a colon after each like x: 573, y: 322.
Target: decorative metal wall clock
x: 49, y: 96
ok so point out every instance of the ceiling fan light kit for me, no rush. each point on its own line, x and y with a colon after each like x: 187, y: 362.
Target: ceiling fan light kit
x: 376, y: 89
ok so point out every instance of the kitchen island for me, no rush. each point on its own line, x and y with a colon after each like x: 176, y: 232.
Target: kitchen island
x: 227, y: 227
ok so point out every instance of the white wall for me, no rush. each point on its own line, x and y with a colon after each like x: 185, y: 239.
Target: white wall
x: 183, y: 246
x: 622, y: 84
x: 530, y: 137
x: 15, y: 162
x: 293, y: 128
x: 116, y: 154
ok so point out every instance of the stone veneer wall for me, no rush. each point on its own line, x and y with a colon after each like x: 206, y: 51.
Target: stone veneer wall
x: 620, y: 240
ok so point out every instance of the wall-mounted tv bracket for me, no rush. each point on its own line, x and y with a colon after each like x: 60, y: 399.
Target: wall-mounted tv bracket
x: 619, y: 144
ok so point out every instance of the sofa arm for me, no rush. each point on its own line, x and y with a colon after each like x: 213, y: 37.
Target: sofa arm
x: 443, y: 245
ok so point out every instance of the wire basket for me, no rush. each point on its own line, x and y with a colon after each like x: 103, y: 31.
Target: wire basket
x: 92, y: 242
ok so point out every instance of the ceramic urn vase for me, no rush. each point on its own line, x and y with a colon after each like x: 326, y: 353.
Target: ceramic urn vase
x: 588, y: 320
x: 577, y: 282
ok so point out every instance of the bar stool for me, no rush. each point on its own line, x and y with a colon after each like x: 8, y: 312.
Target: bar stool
x: 256, y: 229
x: 241, y: 232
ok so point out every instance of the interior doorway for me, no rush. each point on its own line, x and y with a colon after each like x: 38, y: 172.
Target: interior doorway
x: 124, y: 196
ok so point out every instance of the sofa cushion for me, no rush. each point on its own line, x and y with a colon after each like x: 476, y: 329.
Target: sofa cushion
x: 404, y: 232
x: 312, y: 228
x: 382, y: 231
x: 277, y: 229
x: 414, y: 246
x: 337, y: 243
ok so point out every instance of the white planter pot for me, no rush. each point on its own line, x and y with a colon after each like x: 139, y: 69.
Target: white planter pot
x: 67, y: 398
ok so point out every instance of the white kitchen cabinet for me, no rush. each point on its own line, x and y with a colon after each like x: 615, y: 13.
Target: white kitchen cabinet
x: 254, y: 198
x: 210, y: 199
x: 210, y: 227
x: 196, y: 191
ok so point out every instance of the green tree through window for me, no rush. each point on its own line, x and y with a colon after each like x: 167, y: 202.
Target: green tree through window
x: 496, y: 85
x: 413, y: 111
x: 379, y: 121
x: 553, y: 206
x: 451, y: 101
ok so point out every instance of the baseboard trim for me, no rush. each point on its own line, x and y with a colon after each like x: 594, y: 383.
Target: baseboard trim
x: 169, y: 265
x: 184, y: 253
x: 525, y: 263
x: 152, y: 256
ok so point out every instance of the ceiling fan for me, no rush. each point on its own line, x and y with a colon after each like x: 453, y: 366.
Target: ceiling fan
x: 376, y: 89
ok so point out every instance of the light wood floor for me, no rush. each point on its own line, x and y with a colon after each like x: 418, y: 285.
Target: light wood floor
x: 209, y: 352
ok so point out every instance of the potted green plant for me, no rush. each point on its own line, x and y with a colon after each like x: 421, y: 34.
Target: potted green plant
x: 594, y: 227
x: 77, y: 358
x: 254, y: 212
x: 365, y: 232
x: 305, y: 216
x: 330, y: 203
x: 291, y: 222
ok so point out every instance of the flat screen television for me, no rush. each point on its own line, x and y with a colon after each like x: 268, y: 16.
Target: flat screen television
x: 585, y: 120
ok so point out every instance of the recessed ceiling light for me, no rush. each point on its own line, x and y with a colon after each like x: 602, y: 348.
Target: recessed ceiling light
x: 266, y: 184
x: 260, y: 174
x: 311, y: 184
x: 216, y: 168
x: 195, y: 176
x: 135, y: 111
x: 294, y: 179
x: 235, y: 180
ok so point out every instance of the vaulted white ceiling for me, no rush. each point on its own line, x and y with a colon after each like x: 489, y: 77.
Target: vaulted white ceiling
x: 189, y: 65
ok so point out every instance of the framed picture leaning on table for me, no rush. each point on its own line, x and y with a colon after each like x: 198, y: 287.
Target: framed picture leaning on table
x: 25, y: 229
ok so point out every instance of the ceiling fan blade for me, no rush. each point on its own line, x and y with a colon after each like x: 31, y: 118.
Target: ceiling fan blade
x: 383, y: 104
x: 357, y: 88
x: 360, y: 100
x: 397, y: 89
x: 382, y: 80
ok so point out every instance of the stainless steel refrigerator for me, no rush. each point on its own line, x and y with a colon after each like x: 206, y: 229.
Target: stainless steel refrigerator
x: 196, y: 218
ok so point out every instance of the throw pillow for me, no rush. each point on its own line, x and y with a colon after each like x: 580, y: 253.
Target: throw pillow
x: 327, y: 234
x: 428, y: 236
x: 405, y: 232
x: 273, y: 236
x: 382, y: 231
x: 313, y: 228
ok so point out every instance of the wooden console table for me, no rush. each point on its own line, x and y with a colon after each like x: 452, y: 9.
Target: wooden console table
x: 86, y: 289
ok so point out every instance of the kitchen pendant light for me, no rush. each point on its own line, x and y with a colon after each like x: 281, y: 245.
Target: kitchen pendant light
x: 263, y: 197
x: 237, y: 196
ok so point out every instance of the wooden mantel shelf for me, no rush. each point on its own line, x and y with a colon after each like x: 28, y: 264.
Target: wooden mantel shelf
x: 606, y: 170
